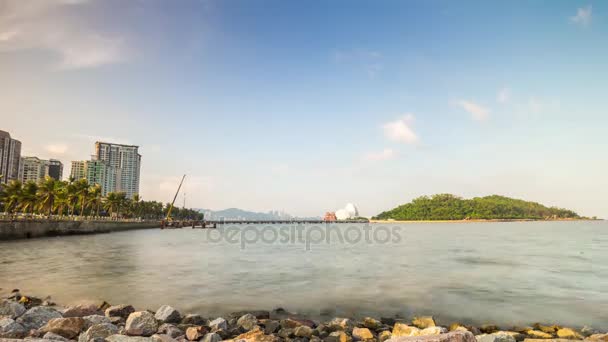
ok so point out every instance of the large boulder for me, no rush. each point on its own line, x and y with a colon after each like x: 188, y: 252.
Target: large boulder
x: 11, y: 329
x: 81, y: 310
x: 568, y: 333
x: 170, y: 330
x: 247, y: 322
x: 195, y: 333
x: 404, y: 330
x: 432, y: 331
x: 11, y: 309
x: 536, y: 334
x: 259, y: 314
x: 495, y: 337
x: 256, y: 335
x: 423, y: 322
x: 95, y: 319
x: 338, y: 336
x: 141, y: 323
x: 52, y: 336
x: 119, y: 311
x: 125, y: 338
x: 98, y: 332
x: 384, y: 335
x: 38, y: 316
x: 162, y: 338
x: 212, y: 337
x: 303, y: 331
x: 372, y: 323
x: 66, y: 327
x: 454, y: 336
x: 343, y: 324
x: 597, y: 337
x: 362, y: 334
x: 218, y: 324
x: 168, y: 314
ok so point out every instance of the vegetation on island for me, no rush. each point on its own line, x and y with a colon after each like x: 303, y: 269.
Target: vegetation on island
x: 63, y: 199
x: 450, y: 207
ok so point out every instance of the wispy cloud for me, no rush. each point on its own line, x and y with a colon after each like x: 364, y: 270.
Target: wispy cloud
x: 53, y: 25
x: 56, y: 149
x: 111, y: 139
x: 583, y: 16
x: 504, y: 95
x: 385, y: 154
x: 477, y: 111
x: 401, y: 131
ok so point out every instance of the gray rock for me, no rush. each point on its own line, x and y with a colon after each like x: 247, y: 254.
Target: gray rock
x: 38, y: 316
x: 211, y: 337
x: 125, y: 338
x: 218, y: 323
x: 162, y: 338
x: 454, y: 336
x: 98, y: 331
x: 11, y: 309
x: 95, y: 319
x: 11, y: 329
x: 247, y: 322
x: 119, y: 310
x: 171, y: 330
x: 52, y: 336
x: 168, y: 314
x: 271, y: 327
x: 81, y: 310
x: 303, y: 331
x: 495, y: 337
x: 141, y: 323
x: 194, y: 319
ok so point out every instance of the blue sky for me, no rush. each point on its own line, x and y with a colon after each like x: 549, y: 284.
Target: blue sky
x: 305, y: 106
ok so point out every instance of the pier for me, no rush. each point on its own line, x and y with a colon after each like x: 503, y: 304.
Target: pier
x: 217, y: 223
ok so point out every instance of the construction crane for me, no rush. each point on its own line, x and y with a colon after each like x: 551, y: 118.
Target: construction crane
x: 168, y: 219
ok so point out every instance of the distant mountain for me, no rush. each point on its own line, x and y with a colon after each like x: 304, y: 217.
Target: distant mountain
x: 240, y: 214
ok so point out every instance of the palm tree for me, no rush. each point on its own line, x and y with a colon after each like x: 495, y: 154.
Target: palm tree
x: 72, y: 194
x: 82, y: 191
x: 112, y: 202
x: 28, y: 199
x: 61, y: 199
x: 95, y: 197
x: 47, y: 193
x: 11, y: 195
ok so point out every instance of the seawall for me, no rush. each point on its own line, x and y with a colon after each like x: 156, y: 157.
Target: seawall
x: 26, y: 229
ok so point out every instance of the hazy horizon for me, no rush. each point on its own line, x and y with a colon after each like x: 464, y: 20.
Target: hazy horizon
x: 304, y: 107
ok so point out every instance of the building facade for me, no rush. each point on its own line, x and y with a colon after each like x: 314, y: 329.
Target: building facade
x: 125, y: 162
x: 10, y: 157
x: 33, y: 169
x: 78, y: 170
x: 56, y: 169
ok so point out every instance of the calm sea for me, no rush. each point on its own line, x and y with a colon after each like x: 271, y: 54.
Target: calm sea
x: 504, y: 273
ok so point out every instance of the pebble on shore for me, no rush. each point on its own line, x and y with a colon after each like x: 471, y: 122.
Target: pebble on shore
x: 122, y: 323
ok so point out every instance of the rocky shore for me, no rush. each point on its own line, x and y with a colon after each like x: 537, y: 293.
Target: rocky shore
x: 43, y: 321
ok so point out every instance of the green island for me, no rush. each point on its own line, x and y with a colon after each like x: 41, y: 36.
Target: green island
x: 494, y: 207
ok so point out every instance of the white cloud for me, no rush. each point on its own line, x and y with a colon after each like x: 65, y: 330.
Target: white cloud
x: 61, y: 27
x: 110, y: 139
x: 583, y: 16
x: 478, y: 112
x: 504, y: 95
x: 56, y: 148
x: 401, y: 130
x: 385, y: 154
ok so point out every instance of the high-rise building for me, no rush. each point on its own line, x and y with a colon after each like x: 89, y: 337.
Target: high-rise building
x: 125, y: 161
x: 33, y: 169
x: 56, y: 169
x: 78, y: 170
x: 10, y: 157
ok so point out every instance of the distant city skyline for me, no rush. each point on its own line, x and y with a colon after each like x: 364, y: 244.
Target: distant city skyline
x: 308, y: 106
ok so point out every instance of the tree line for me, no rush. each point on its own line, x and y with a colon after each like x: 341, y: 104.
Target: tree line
x: 71, y: 198
x: 450, y: 207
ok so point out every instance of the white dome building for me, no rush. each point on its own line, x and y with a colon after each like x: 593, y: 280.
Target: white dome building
x: 347, y: 212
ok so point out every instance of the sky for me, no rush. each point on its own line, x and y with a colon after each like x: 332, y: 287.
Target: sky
x: 304, y: 106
